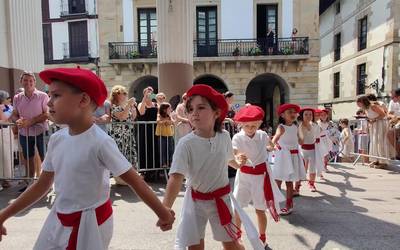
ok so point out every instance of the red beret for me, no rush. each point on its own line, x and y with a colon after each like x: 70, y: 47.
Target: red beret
x: 249, y: 113
x: 212, y: 95
x: 318, y: 111
x: 325, y: 110
x: 82, y: 79
x: 282, y: 108
x: 308, y: 108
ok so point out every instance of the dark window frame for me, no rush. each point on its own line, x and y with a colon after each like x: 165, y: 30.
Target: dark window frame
x: 146, y: 45
x: 361, y: 78
x: 337, y: 46
x: 47, y: 42
x: 362, y: 33
x: 336, y: 85
x: 337, y: 8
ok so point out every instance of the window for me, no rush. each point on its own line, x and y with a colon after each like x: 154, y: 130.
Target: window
x: 76, y: 6
x: 147, y: 25
x: 361, y: 78
x: 207, y: 37
x: 337, y: 7
x: 362, y: 33
x: 47, y: 43
x: 267, y: 17
x: 336, y: 85
x: 337, y: 46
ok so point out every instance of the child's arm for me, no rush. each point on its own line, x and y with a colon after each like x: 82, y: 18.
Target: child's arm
x: 173, y: 187
x: 166, y: 216
x: 279, y: 132
x: 26, y: 199
x: 242, y: 160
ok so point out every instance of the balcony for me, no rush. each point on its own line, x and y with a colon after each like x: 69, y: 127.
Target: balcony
x: 77, y: 10
x: 235, y: 48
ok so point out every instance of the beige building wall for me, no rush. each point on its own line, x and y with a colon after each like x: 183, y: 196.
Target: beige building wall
x: 381, y: 44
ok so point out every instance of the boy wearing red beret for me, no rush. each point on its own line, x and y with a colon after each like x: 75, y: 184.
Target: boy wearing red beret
x: 254, y: 182
x: 79, y: 160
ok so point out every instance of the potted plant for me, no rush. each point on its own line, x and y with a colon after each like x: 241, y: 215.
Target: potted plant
x: 236, y: 52
x: 132, y: 54
x: 255, y: 51
x: 287, y: 50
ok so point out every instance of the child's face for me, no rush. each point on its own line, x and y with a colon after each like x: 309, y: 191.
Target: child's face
x: 324, y: 116
x: 317, y: 116
x: 290, y: 115
x: 64, y: 104
x: 201, y: 115
x: 250, y: 128
x: 342, y: 125
x: 307, y: 116
x: 360, y: 105
x: 169, y: 110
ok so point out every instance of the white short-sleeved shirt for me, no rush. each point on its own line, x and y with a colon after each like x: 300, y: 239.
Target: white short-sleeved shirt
x: 394, y: 107
x: 81, y: 165
x: 254, y: 148
x: 203, y: 161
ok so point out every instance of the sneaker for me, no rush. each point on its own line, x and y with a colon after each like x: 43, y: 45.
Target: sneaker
x: 286, y: 211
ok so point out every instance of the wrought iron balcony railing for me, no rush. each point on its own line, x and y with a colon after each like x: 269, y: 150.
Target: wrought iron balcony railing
x: 217, y: 48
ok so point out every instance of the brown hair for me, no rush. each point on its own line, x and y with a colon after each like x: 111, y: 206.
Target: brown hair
x: 364, y: 101
x: 218, y: 122
x: 344, y: 121
x: 162, y: 110
x: 27, y: 73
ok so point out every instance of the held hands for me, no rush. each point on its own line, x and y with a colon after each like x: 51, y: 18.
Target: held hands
x: 165, y: 224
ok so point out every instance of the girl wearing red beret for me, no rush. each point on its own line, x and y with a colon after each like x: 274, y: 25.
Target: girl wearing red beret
x: 254, y: 181
x: 202, y: 157
x: 325, y: 125
x: 309, y: 133
x: 288, y: 164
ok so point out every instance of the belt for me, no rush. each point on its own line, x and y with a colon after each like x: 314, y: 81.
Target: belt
x: 103, y: 212
x: 224, y: 213
x: 308, y: 146
x: 323, y: 136
x: 268, y: 194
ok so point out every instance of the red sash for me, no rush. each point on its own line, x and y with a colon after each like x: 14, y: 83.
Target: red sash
x: 224, y: 213
x: 268, y: 194
x: 308, y: 146
x: 73, y: 220
x: 323, y: 136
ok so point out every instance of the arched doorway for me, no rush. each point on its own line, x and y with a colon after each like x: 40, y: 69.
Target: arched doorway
x: 268, y: 91
x: 212, y: 81
x: 137, y: 87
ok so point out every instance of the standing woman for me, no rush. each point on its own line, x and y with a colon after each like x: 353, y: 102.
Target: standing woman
x: 123, y: 113
x: 148, y: 145
x: 378, y: 127
x: 183, y: 126
x: 270, y: 41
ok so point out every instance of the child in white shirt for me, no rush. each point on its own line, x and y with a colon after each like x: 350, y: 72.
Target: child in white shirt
x: 79, y: 160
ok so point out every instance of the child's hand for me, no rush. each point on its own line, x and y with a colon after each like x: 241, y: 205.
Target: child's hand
x: 242, y: 158
x: 165, y: 224
x: 3, y: 231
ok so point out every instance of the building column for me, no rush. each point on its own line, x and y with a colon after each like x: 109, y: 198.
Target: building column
x: 175, y: 46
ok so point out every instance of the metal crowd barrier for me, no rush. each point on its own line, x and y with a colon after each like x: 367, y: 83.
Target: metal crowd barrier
x: 152, y: 153
x: 13, y: 165
x: 367, y: 138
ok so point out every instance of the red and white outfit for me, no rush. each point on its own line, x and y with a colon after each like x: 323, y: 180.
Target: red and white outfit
x: 81, y: 165
x: 288, y: 163
x: 203, y: 161
x: 311, y: 149
x: 325, y: 141
x: 254, y: 181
